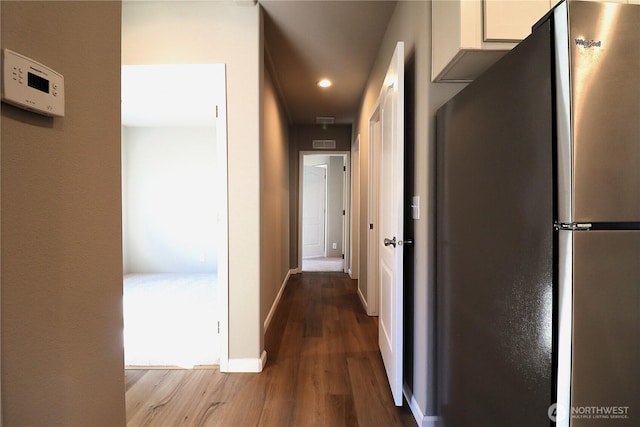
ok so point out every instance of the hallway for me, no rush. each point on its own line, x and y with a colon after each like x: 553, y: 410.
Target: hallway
x: 323, y: 369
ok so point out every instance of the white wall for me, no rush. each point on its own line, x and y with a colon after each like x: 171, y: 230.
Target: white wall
x: 170, y: 200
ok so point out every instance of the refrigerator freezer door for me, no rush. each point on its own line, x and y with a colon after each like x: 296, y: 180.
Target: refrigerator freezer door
x: 495, y: 244
x: 606, y: 329
x: 605, y: 108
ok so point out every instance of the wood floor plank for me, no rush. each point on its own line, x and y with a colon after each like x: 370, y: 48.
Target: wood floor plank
x: 200, y: 399
x: 138, y: 395
x: 310, y: 391
x: 242, y: 402
x: 324, y: 369
x: 153, y: 410
x: 340, y: 411
x: 132, y: 376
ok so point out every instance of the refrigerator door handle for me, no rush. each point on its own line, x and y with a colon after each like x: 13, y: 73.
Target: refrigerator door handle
x: 572, y: 226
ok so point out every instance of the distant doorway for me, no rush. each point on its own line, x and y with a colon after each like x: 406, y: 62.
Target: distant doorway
x: 323, y: 211
x: 314, y: 210
x: 174, y: 177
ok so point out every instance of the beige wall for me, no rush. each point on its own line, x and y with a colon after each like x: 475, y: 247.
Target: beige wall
x: 410, y: 23
x: 274, y: 200
x: 228, y: 32
x: 62, y: 355
x: 302, y: 137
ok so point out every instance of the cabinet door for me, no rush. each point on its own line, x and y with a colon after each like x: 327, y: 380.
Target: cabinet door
x: 506, y: 20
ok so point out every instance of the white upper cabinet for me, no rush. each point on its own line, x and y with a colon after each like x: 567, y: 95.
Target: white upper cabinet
x: 471, y: 35
x: 511, y: 21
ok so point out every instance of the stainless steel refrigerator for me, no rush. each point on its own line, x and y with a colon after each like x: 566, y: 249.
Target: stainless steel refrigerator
x: 538, y: 230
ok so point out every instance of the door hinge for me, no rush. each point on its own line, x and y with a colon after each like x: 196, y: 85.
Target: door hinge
x: 344, y: 168
x: 343, y: 212
x: 342, y: 256
x: 216, y: 111
x: 218, y: 327
x: 370, y: 226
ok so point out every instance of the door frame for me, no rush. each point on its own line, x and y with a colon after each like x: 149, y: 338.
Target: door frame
x: 373, y: 290
x: 222, y: 226
x: 354, y: 220
x: 346, y: 203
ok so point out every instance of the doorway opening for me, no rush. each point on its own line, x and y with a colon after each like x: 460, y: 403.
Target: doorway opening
x: 174, y: 215
x: 324, y: 213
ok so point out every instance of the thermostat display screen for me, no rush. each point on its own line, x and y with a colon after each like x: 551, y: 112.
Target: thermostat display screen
x: 38, y: 82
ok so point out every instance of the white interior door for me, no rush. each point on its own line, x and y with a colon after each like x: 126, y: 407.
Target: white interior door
x: 314, y: 211
x: 390, y: 236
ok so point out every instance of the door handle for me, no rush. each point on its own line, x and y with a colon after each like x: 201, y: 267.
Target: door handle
x: 391, y: 242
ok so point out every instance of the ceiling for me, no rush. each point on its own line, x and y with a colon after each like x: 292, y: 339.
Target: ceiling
x: 310, y: 40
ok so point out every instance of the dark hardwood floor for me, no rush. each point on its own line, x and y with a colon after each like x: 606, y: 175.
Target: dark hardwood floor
x: 323, y: 369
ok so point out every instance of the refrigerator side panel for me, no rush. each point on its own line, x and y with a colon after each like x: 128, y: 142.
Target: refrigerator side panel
x: 605, y: 389
x: 495, y: 244
x: 605, y: 61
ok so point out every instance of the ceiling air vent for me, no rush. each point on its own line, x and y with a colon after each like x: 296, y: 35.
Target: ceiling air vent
x: 325, y: 120
x: 324, y: 144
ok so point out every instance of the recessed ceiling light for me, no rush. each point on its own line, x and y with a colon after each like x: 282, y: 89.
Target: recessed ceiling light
x: 325, y: 83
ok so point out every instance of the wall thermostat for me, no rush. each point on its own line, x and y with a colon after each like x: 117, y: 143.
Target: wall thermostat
x: 30, y: 85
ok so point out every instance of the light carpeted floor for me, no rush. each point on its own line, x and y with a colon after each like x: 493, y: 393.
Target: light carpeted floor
x: 170, y: 320
x: 322, y: 264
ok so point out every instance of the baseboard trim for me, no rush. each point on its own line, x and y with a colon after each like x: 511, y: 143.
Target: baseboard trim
x: 432, y: 421
x: 247, y: 364
x: 421, y: 419
x: 172, y: 367
x: 274, y: 306
x: 363, y: 301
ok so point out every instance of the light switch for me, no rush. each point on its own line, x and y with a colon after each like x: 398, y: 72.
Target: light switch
x: 415, y: 207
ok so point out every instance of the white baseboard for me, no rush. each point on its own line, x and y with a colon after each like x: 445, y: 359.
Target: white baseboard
x: 272, y: 311
x: 296, y: 271
x: 421, y: 419
x: 363, y: 301
x: 432, y: 421
x: 248, y: 364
